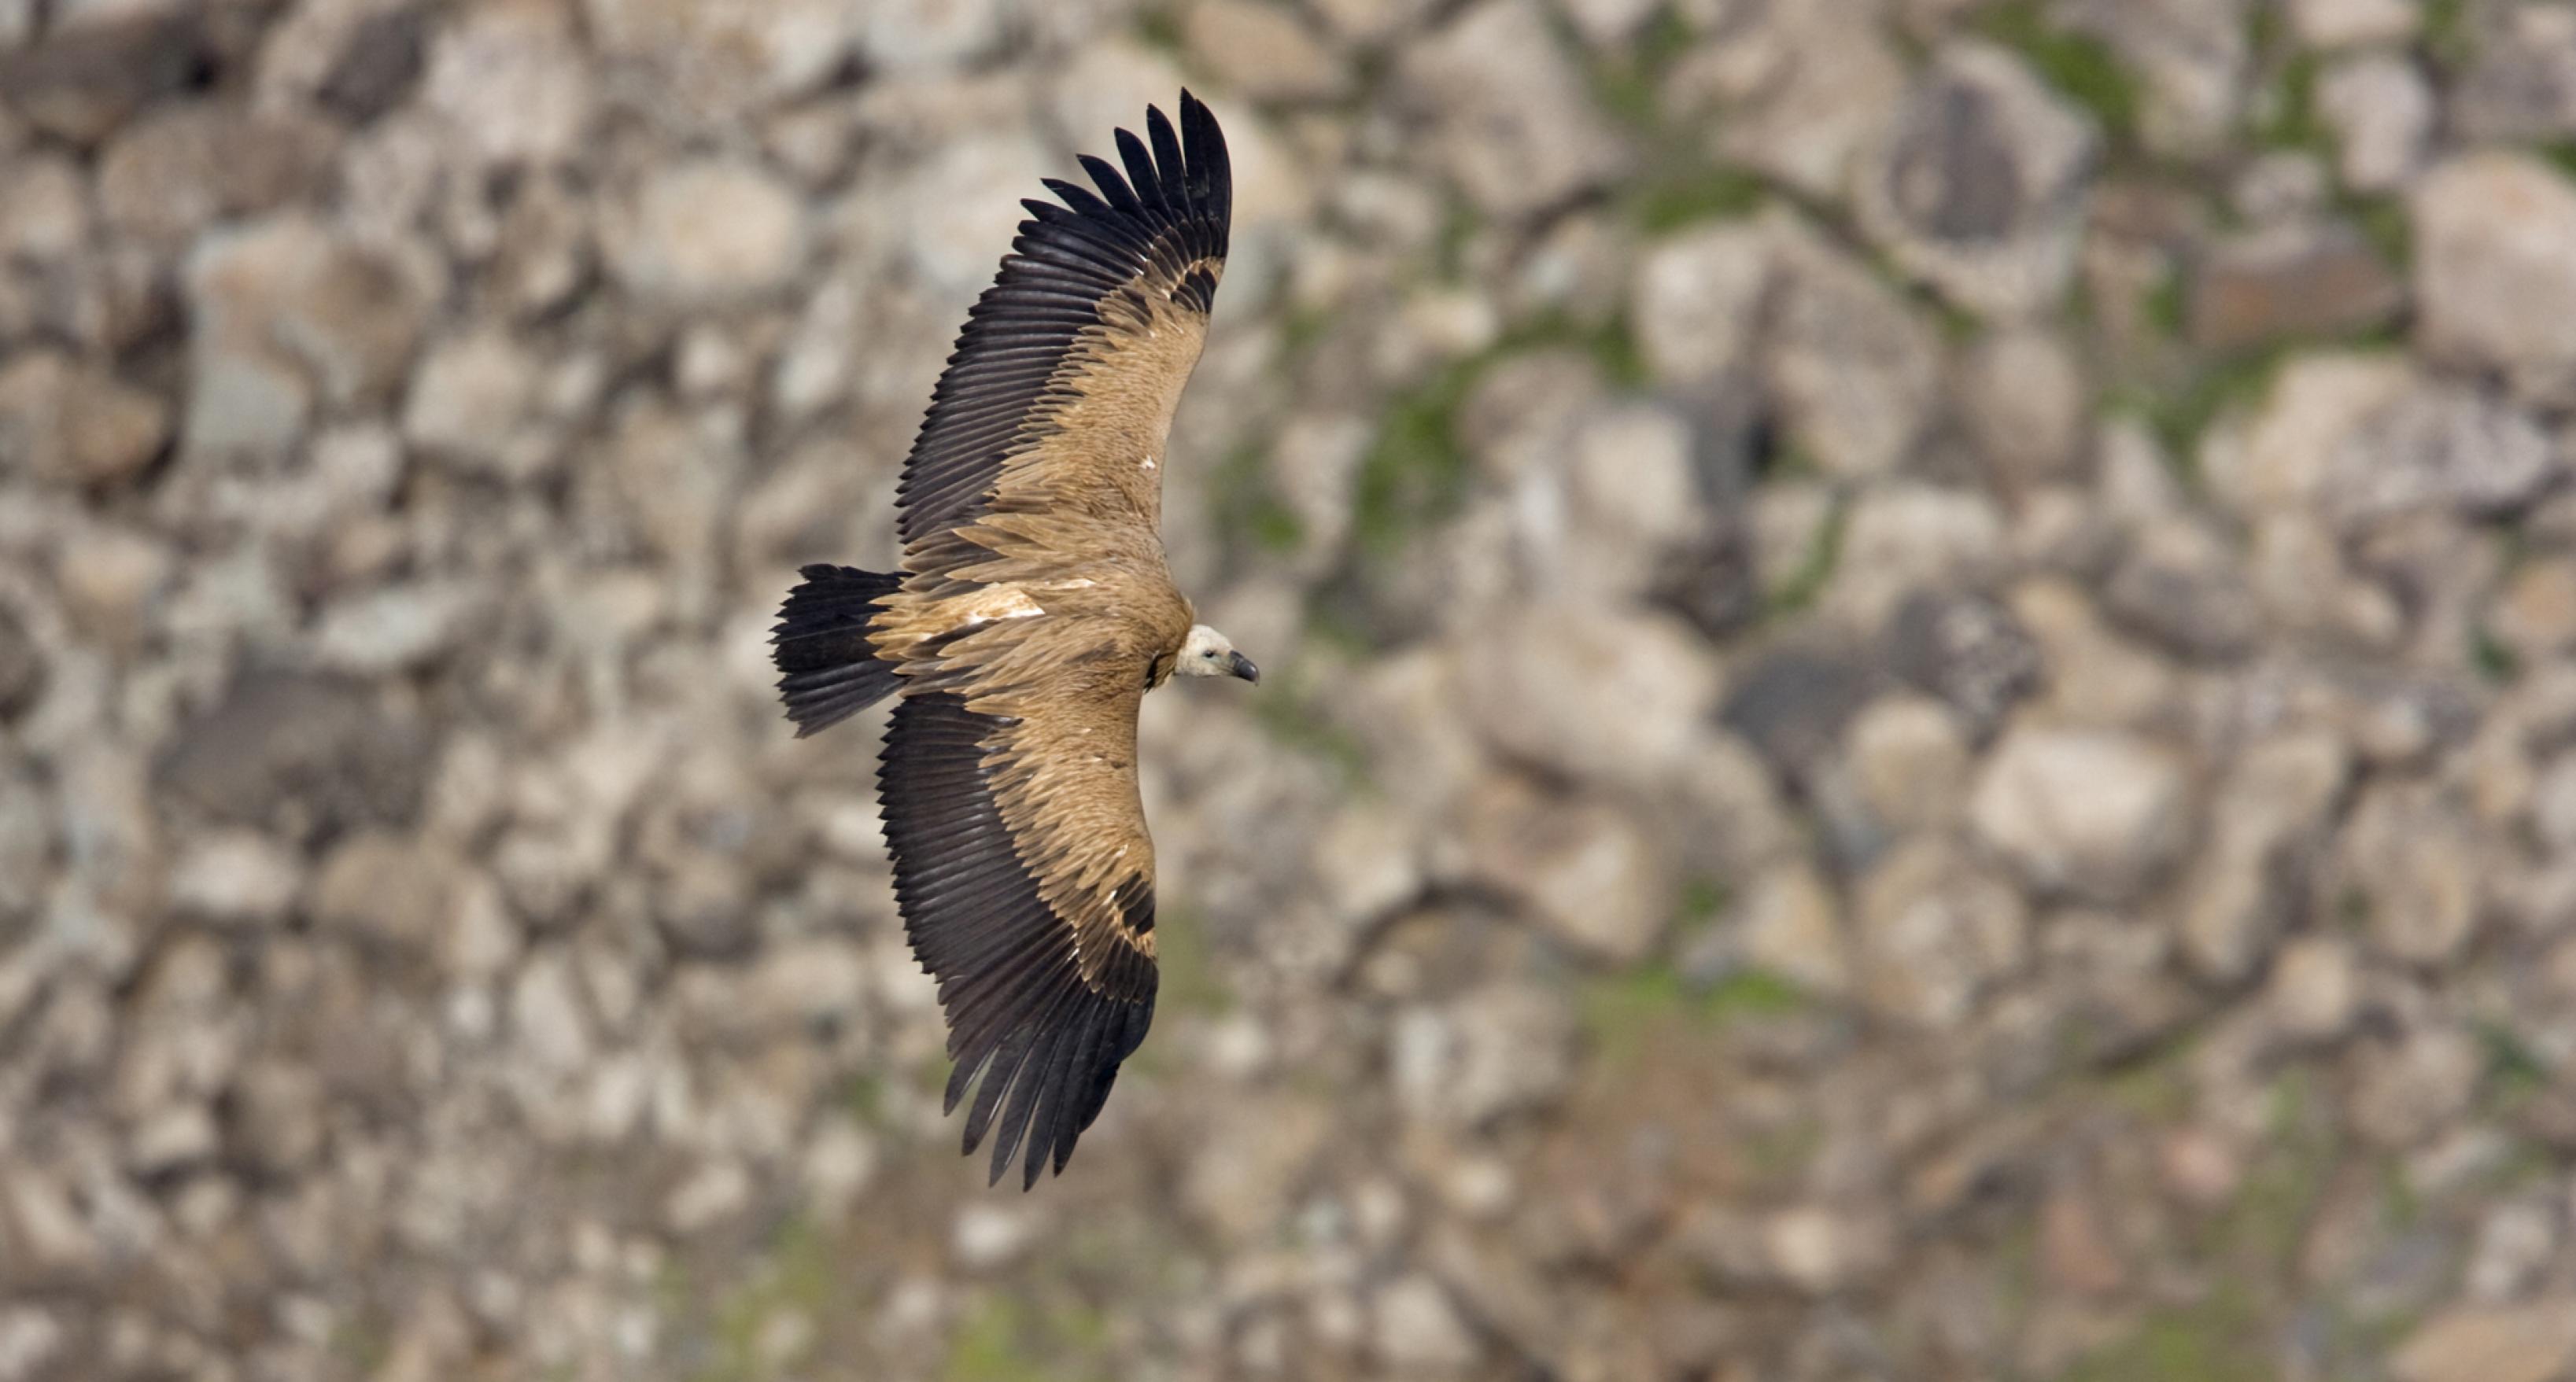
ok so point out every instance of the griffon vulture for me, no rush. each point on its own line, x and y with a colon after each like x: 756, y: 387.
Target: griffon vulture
x: 1031, y: 614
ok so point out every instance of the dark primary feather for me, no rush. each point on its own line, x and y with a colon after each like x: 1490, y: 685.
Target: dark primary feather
x: 1046, y: 1044
x: 1066, y: 260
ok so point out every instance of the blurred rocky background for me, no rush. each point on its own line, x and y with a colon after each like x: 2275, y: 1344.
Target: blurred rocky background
x: 1923, y: 719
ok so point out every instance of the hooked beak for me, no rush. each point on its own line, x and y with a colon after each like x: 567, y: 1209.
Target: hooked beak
x: 1242, y: 667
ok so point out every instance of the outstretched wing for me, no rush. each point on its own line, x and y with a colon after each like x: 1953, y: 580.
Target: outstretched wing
x: 1059, y: 396
x: 1026, y: 882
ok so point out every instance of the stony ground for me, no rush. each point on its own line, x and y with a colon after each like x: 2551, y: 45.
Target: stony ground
x: 1922, y: 719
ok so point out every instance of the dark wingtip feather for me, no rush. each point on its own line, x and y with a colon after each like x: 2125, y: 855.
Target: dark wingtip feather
x: 1113, y: 186
x: 1142, y: 175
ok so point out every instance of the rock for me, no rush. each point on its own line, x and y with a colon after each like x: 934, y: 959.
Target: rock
x: 236, y: 875
x: 1907, y: 537
x: 171, y: 1139
x: 2092, y: 813
x: 2411, y: 1090
x: 111, y: 581
x: 2352, y: 23
x: 1607, y: 23
x: 1969, y: 650
x: 966, y: 192
x: 2553, y: 804
x: 1495, y: 1050
x: 1254, y: 1163
x: 1263, y: 53
x: 48, y: 215
x: 469, y: 401
x: 2192, y: 60
x: 2495, y: 270
x: 919, y: 35
x: 1822, y: 1250
x: 669, y: 479
x: 377, y: 66
x: 2535, y: 614
x: 399, y: 628
x: 727, y: 62
x: 2023, y: 397
x: 2283, y: 458
x: 1794, y: 704
x: 2179, y: 588
x: 2412, y: 857
x: 2315, y: 989
x: 29, y: 1339
x: 75, y: 425
x: 1790, y: 925
x: 22, y: 666
x: 1933, y: 933
x: 280, y: 1127
x: 704, y: 903
x: 1697, y: 299
x: 707, y: 232
x: 1628, y: 490
x: 1417, y: 1329
x: 1613, y: 698
x: 2268, y: 823
x: 2514, y: 1245
x: 2522, y: 86
x: 2442, y: 447
x: 2289, y: 281
x: 715, y: 1192
x: 546, y: 1013
x: 169, y: 175
x: 509, y: 81
x: 1372, y: 21
x: 299, y: 752
x: 392, y: 890
x: 1979, y: 189
x: 2383, y: 114
x: 2074, y: 1246
x: 2281, y: 191
x: 1590, y: 876
x: 1856, y: 373
x: 1798, y: 92
x: 284, y: 314
x: 1709, y: 579
x: 1910, y: 762
x: 83, y: 81
x: 1510, y: 122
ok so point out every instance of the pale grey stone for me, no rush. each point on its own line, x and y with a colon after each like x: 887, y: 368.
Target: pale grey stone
x: 2383, y: 113
x: 1934, y: 932
x: 2087, y: 812
x: 1417, y: 1329
x: 710, y: 231
x: 2495, y: 269
x: 1509, y: 118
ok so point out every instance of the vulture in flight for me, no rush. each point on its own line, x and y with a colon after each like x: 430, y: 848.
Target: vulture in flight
x: 1032, y: 612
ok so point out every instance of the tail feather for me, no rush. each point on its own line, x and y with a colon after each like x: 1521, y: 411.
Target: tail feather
x: 829, y: 672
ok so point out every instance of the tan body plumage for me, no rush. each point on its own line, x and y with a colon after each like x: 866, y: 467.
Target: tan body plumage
x: 1033, y: 611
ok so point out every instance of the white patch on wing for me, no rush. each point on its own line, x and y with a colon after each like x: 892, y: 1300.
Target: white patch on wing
x: 996, y: 602
x: 1149, y: 463
x: 1077, y: 583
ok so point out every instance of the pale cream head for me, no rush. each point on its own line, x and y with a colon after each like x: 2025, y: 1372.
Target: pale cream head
x: 1207, y: 653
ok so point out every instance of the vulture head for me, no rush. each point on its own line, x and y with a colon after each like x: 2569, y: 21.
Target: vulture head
x: 1208, y: 653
